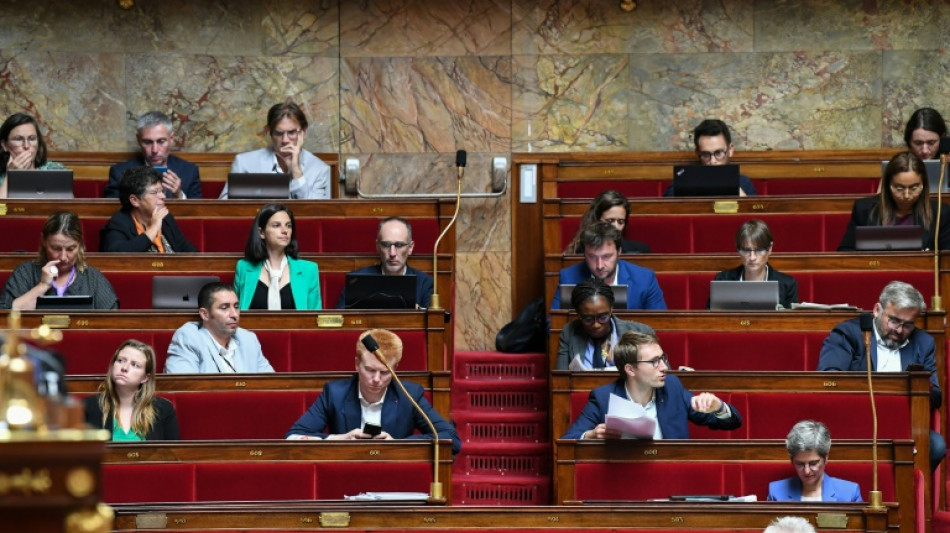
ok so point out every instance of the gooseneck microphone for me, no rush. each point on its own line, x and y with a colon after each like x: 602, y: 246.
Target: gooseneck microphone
x: 435, y: 488
x: 876, y: 499
x: 435, y: 302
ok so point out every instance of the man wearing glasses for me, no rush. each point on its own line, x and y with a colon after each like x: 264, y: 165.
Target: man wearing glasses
x: 714, y: 147
x: 394, y: 245
x: 643, y: 368
x: 896, y: 344
x: 284, y: 154
x: 155, y: 137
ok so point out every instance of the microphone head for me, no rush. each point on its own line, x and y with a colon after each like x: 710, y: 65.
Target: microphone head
x: 460, y: 158
x: 370, y: 343
x: 867, y: 321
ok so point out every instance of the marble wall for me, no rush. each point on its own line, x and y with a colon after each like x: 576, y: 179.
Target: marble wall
x: 403, y: 84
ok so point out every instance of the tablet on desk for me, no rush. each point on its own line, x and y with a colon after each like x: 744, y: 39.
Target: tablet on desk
x: 80, y: 301
x: 258, y: 186
x: 39, y: 184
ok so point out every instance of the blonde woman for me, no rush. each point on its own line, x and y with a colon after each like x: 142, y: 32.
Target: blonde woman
x: 126, y: 404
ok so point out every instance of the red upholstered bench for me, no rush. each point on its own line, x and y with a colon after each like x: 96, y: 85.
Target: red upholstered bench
x: 223, y: 415
x: 654, y: 188
x: 136, y: 483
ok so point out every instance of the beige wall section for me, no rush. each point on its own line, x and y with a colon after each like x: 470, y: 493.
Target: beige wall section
x: 402, y: 84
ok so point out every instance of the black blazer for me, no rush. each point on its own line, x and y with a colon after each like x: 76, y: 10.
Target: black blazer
x: 187, y: 172
x: 164, y: 428
x: 787, y: 286
x: 119, y: 235
x: 861, y: 216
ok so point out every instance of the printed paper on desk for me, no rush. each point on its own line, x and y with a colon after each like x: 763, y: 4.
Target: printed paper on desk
x: 629, y: 418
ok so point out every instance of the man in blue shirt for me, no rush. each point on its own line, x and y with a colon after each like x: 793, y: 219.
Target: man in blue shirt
x: 602, y: 242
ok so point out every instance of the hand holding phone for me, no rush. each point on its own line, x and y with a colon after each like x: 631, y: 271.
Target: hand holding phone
x: 372, y: 429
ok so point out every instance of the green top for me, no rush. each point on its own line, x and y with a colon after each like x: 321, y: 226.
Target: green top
x: 50, y: 165
x: 120, y: 435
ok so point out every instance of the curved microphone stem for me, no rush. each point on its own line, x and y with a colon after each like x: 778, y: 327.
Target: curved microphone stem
x: 876, y: 500
x: 435, y: 488
x: 435, y: 301
x: 937, y: 302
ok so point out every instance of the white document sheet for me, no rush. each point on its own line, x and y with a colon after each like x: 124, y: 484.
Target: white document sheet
x: 629, y: 418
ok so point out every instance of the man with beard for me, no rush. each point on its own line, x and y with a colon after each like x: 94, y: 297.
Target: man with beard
x: 643, y: 367
x: 897, y: 344
x: 602, y: 243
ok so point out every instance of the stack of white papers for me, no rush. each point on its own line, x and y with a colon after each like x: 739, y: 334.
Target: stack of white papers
x: 629, y: 418
x: 388, y: 496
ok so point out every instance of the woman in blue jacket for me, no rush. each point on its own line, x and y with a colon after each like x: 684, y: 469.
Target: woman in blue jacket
x: 271, y: 276
x: 808, y: 444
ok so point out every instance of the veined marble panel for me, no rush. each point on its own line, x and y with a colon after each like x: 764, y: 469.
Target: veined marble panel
x: 600, y: 26
x: 301, y: 28
x: 786, y: 25
x: 426, y: 104
x: 571, y: 103
x: 76, y: 98
x: 482, y: 298
x: 913, y: 79
x: 770, y: 101
x: 220, y: 103
x: 208, y: 27
x: 418, y: 28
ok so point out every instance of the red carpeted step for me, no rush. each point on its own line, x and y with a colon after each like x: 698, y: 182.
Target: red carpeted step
x: 500, y: 366
x: 495, y: 490
x: 503, y: 459
x: 502, y: 427
x: 523, y: 396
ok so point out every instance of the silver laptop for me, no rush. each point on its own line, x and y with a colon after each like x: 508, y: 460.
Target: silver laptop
x: 39, y: 184
x: 178, y: 292
x: 743, y: 295
x: 877, y: 238
x: 933, y: 174
x: 258, y: 186
x: 620, y: 296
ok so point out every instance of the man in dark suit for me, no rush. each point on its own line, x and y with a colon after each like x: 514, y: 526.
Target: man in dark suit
x: 155, y: 136
x: 346, y: 406
x: 643, y: 367
x: 896, y: 343
x: 713, y: 144
x: 602, y: 244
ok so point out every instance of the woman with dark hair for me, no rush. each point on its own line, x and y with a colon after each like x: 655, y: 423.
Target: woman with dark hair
x: 808, y: 445
x: 587, y: 342
x: 60, y: 269
x: 22, y: 148
x: 613, y: 207
x: 904, y: 199
x: 923, y: 132
x: 126, y: 404
x: 271, y: 276
x: 754, y: 244
x: 284, y: 154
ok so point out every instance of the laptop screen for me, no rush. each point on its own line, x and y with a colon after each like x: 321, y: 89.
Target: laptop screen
x: 743, y: 295
x: 706, y: 180
x: 878, y: 238
x: 178, y: 292
x: 82, y: 301
x: 377, y: 291
x: 258, y: 186
x: 39, y: 184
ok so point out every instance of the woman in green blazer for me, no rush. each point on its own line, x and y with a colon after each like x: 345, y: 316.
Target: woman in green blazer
x: 271, y: 276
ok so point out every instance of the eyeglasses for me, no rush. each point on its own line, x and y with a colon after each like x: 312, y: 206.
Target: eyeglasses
x: 18, y: 141
x: 912, y: 190
x: 291, y: 134
x: 895, y: 323
x: 602, y: 318
x: 746, y: 252
x: 717, y: 155
x: 385, y: 245
x: 656, y: 361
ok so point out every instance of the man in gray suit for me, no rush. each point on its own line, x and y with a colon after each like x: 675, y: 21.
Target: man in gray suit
x: 587, y: 343
x: 216, y: 345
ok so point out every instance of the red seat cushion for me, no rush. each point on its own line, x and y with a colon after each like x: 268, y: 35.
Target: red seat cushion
x: 134, y: 483
x: 254, y: 481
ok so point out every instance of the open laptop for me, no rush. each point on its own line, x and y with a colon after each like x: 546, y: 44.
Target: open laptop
x: 620, y: 296
x: 376, y: 291
x: 933, y: 174
x: 706, y: 180
x: 743, y: 295
x: 877, y: 238
x: 68, y: 302
x: 39, y: 183
x: 258, y: 186
x: 178, y: 292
